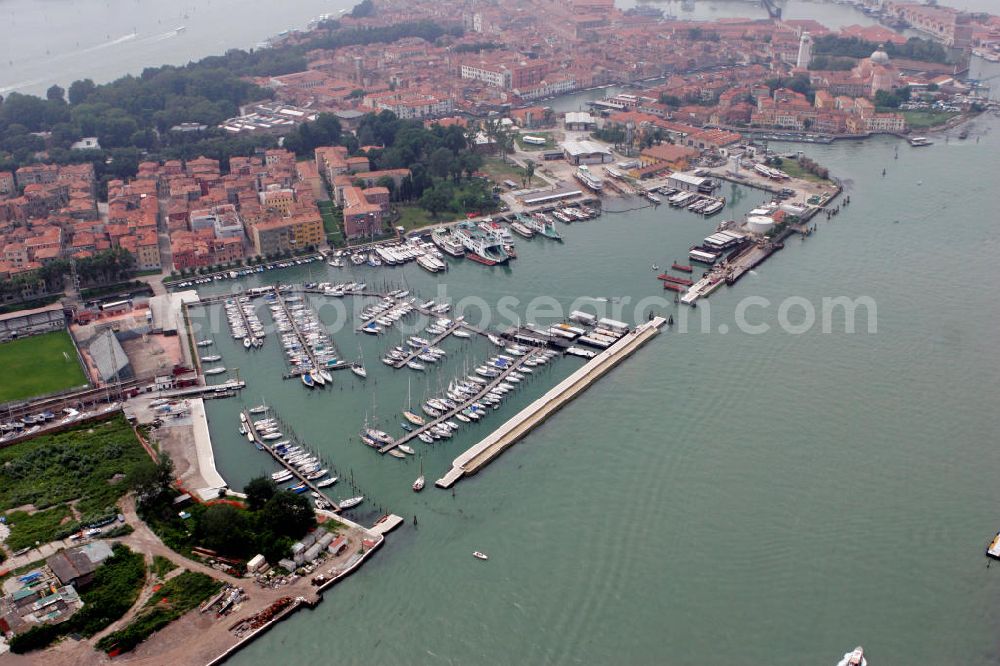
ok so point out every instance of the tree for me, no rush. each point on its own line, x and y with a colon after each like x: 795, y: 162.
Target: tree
x: 55, y: 94
x: 670, y: 100
x: 471, y: 162
x: 435, y: 200
x: 363, y: 9
x: 258, y: 491
x: 80, y: 91
x: 223, y: 528
x: 529, y: 171
x: 441, y: 162
x: 150, y: 480
x: 287, y: 514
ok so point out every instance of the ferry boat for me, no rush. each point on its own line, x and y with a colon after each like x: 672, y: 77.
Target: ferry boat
x: 587, y: 177
x: 522, y: 230
x: 480, y: 246
x: 703, y: 255
x: 919, y: 141
x: 447, y: 243
x: 542, y: 224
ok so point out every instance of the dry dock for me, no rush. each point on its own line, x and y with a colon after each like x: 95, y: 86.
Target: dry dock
x: 481, y: 454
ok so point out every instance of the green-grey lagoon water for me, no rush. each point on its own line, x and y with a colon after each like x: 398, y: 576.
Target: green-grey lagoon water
x: 716, y: 499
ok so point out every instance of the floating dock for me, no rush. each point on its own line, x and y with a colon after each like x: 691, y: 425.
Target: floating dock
x: 477, y: 457
x: 432, y: 343
x: 486, y: 388
x: 248, y: 419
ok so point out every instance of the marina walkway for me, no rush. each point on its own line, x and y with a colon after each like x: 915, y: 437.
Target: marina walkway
x: 295, y: 371
x: 479, y: 455
x: 447, y: 415
x: 433, y: 343
x: 281, y: 461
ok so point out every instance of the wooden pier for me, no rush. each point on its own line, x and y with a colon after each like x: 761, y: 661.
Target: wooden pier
x: 481, y: 454
x: 295, y: 372
x: 432, y: 343
x: 243, y: 317
x: 295, y: 472
x: 518, y: 362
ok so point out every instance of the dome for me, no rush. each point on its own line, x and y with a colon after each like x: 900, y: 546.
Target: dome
x: 880, y: 57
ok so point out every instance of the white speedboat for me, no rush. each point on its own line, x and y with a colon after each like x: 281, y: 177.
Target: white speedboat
x: 855, y: 657
x: 215, y: 371
x: 480, y: 555
x: 406, y: 449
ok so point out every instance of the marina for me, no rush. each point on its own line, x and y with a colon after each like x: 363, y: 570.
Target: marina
x: 655, y: 456
x: 307, y: 479
x: 481, y: 454
x: 308, y: 347
x: 486, y: 388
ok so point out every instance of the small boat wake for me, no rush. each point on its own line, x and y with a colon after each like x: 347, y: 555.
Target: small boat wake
x: 598, y: 299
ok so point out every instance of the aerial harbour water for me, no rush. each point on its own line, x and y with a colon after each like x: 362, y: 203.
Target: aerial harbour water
x: 728, y: 494
x: 720, y: 497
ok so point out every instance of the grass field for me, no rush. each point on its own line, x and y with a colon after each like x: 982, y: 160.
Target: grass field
x: 332, y: 220
x: 176, y: 597
x: 87, y: 463
x: 412, y: 217
x: 40, y: 527
x: 499, y: 171
x: 795, y: 170
x: 38, y: 365
x: 924, y: 119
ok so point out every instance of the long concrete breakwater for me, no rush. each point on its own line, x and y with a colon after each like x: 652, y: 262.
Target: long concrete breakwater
x: 482, y: 453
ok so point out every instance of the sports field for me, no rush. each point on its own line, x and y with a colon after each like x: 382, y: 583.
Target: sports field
x: 38, y: 365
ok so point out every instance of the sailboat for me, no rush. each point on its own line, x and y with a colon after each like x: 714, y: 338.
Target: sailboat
x: 418, y: 485
x: 358, y: 368
x: 408, y: 413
